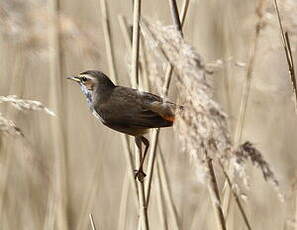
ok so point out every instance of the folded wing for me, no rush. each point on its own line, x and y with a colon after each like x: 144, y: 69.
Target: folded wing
x: 137, y: 110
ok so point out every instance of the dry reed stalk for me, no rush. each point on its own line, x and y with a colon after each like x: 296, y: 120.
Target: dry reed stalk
x: 227, y: 196
x: 135, y: 82
x: 127, y: 39
x: 6, y: 159
x: 109, y: 52
x: 108, y: 41
x: 144, y: 73
x: 154, y: 143
x: 237, y: 199
x: 141, y: 196
x: 135, y: 43
x: 155, y: 135
x: 125, y: 32
x: 167, y: 193
x: 160, y: 200
x: 143, y: 218
x: 215, y: 194
x: 287, y: 48
x: 295, y: 201
x: 184, y: 11
x: 288, y: 52
x: 87, y: 205
x: 249, y: 74
x: 143, y: 58
x: 58, y: 212
x: 124, y: 203
x: 92, y: 222
x: 151, y: 162
x: 175, y: 16
x: 131, y: 167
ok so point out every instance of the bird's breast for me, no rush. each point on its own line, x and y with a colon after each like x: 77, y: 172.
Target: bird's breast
x: 88, y: 95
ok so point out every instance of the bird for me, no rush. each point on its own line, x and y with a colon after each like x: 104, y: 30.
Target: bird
x: 126, y: 110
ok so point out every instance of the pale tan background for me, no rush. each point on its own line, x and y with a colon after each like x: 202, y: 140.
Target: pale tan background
x: 94, y: 166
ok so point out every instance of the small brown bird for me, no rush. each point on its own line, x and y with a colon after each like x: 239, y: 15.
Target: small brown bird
x: 126, y: 110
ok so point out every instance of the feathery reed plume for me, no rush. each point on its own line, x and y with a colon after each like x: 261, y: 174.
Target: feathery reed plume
x: 9, y: 127
x: 202, y: 125
x: 247, y: 151
x: 22, y: 104
x: 197, y: 88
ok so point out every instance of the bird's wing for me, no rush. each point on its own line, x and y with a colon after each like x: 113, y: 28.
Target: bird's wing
x: 128, y: 107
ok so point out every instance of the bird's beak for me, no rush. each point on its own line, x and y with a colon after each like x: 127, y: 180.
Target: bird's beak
x: 74, y: 78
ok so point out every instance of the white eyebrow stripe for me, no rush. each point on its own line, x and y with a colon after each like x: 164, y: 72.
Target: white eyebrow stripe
x: 87, y: 76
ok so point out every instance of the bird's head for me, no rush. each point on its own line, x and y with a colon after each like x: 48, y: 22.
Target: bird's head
x: 92, y: 81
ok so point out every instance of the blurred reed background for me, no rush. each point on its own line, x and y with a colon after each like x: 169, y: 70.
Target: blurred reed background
x: 57, y: 170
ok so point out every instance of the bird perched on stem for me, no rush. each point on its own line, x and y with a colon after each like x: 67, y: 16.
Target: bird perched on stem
x: 124, y: 109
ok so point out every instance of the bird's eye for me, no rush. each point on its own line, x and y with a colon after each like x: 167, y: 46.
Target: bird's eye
x: 84, y: 79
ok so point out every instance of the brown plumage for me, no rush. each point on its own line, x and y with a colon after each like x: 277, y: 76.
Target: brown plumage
x: 132, y: 112
x: 124, y: 109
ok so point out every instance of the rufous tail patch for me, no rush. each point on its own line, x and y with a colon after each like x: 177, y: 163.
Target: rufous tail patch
x: 169, y: 118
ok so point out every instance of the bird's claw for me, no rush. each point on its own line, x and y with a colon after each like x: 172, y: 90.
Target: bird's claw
x: 139, y: 174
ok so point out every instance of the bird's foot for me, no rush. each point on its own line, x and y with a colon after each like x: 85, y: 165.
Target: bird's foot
x: 139, y: 174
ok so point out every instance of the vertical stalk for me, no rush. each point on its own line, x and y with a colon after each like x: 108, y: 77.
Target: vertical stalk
x: 167, y: 193
x: 135, y: 43
x: 249, y: 74
x: 91, y: 192
x: 108, y: 41
x: 245, y: 94
x: 289, y: 56
x: 92, y: 222
x: 162, y: 212
x: 135, y: 83
x: 288, y: 52
x: 16, y: 87
x: 124, y: 203
x: 58, y: 212
x: 112, y: 71
x: 155, y: 136
x: 215, y: 194
x: 237, y: 200
x: 175, y: 15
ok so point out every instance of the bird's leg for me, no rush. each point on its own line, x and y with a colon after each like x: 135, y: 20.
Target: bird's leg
x: 139, y: 140
x: 147, y: 144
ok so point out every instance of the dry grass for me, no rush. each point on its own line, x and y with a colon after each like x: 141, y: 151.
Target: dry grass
x: 68, y: 172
